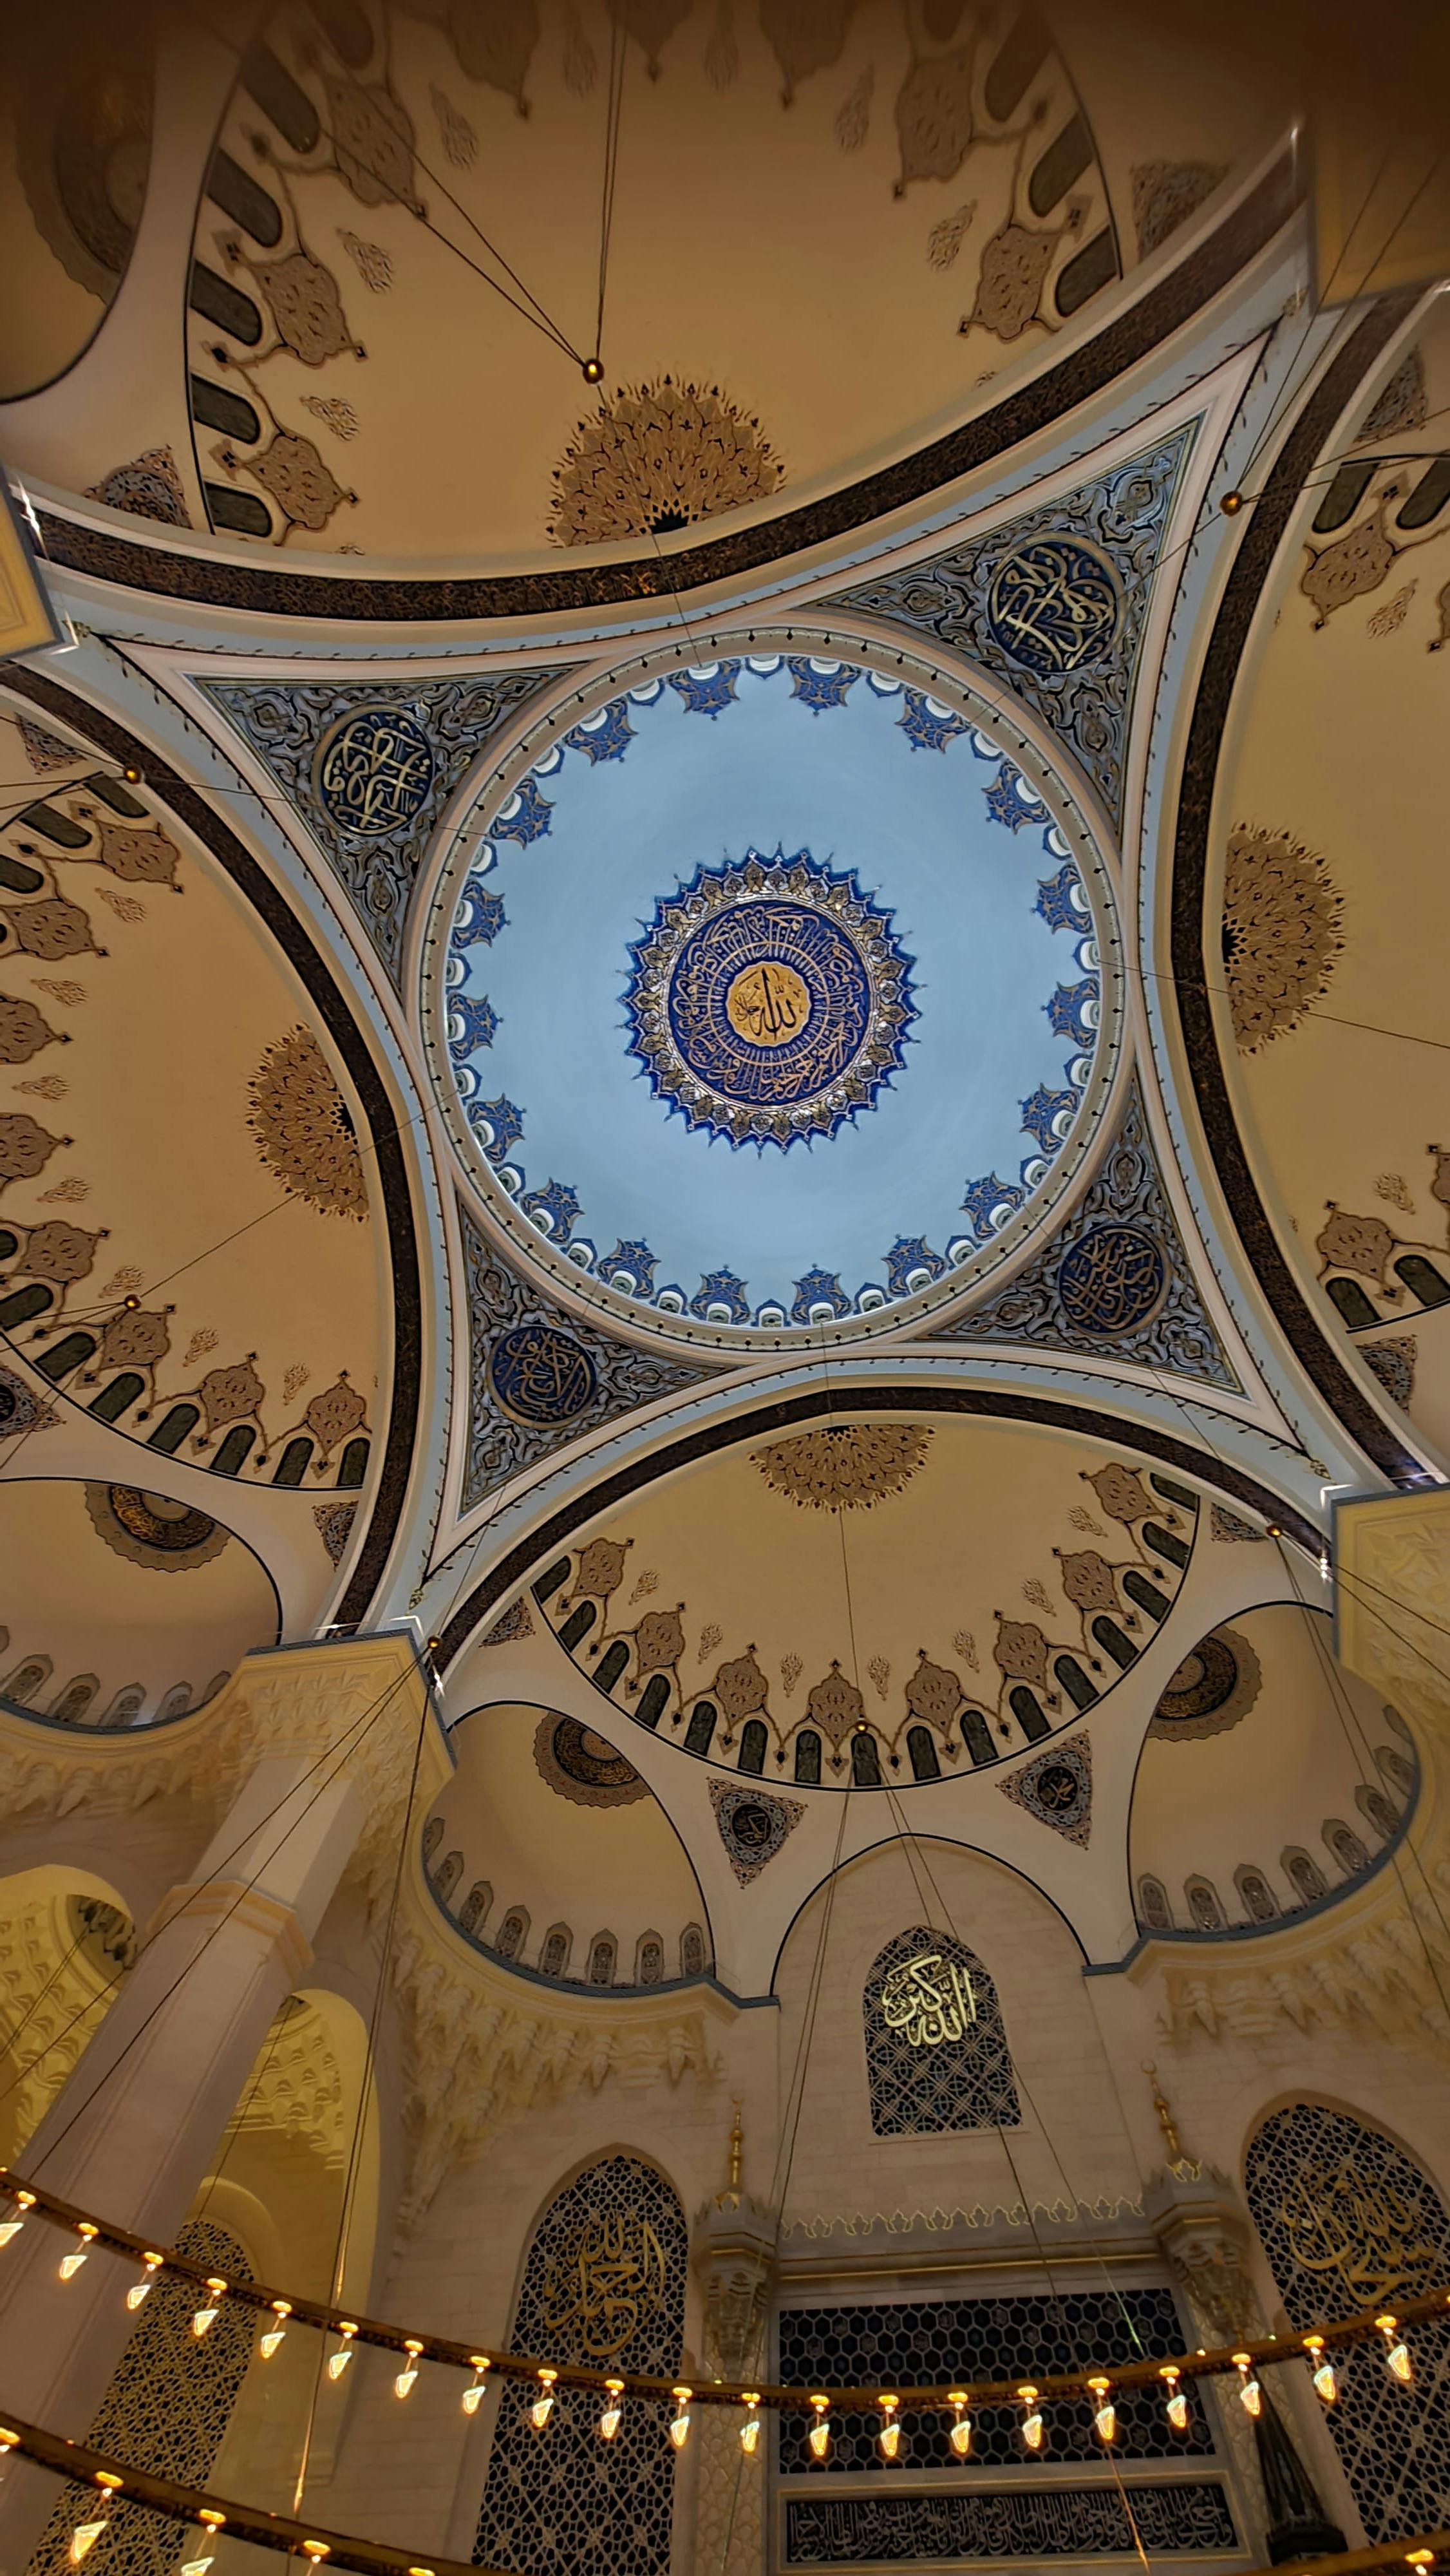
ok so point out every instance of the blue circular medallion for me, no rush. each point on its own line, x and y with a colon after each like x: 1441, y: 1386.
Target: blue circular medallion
x: 374, y: 770
x: 1112, y: 1279
x: 539, y: 1375
x: 1053, y: 605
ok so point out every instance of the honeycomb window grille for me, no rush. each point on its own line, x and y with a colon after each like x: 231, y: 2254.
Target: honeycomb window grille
x: 513, y: 1932
x: 552, y: 2507
x: 954, y: 2083
x: 1347, y: 2218
x: 167, y: 2409
x: 921, y: 2343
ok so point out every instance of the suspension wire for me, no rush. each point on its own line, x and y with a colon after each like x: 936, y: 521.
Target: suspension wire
x: 347, y: 2205
x: 614, y: 101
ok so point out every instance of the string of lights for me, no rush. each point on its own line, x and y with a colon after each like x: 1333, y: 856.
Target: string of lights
x: 216, y: 2516
x: 349, y: 2334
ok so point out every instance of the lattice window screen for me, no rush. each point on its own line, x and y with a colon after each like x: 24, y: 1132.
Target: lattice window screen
x: 960, y: 2082
x: 167, y: 2409
x: 1348, y: 2221
x: 564, y: 2501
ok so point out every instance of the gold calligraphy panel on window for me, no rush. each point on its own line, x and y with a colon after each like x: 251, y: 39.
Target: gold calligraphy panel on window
x: 595, y: 2296
x: 928, y: 1999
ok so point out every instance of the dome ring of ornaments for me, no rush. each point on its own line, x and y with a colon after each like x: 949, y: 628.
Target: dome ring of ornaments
x: 349, y: 2334
x: 619, y: 981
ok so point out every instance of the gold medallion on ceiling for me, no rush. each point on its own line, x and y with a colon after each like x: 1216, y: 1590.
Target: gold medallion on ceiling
x: 849, y: 1467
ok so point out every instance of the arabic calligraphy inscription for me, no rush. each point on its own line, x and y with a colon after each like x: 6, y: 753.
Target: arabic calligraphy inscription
x: 374, y: 770
x: 929, y: 1999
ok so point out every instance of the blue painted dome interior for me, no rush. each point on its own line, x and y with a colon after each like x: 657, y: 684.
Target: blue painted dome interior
x: 773, y: 992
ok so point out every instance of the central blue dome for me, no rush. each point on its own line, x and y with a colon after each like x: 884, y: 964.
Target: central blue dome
x: 774, y: 903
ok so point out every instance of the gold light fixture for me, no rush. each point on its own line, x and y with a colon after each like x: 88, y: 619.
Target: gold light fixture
x: 613, y: 2415
x: 141, y: 2290
x: 1397, y: 2351
x: 819, y: 2436
x: 271, y: 2341
x: 959, y: 2431
x: 12, y: 2226
x: 1105, y: 2413
x: 543, y: 2405
x: 750, y: 2429
x: 409, y: 2371
x: 1175, y: 2405
x: 70, y: 2264
x: 337, y: 2361
x: 85, y: 2535
x: 889, y: 2435
x: 1326, y: 2386
x: 205, y: 2318
x: 1251, y: 2395
x: 473, y: 2393
x: 678, y: 2427
x: 1031, y: 2420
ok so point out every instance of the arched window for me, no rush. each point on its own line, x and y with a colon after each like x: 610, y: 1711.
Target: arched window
x: 1205, y: 1909
x: 126, y: 1707
x: 753, y: 1740
x: 554, y: 1956
x: 476, y: 1903
x: 1319, y: 2184
x: 1374, y: 1804
x: 1304, y: 1874
x: 577, y: 1626
x: 1145, y: 1595
x: 1110, y: 1635
x: 571, y: 2501
x: 611, y: 1663
x: 432, y: 1837
x: 177, y: 1701
x: 1257, y: 1897
x: 808, y: 1758
x: 112, y: 1401
x: 1344, y: 1843
x: 173, y: 1427
x: 1422, y: 1279
x: 1354, y: 1306
x: 921, y: 1746
x: 692, y: 1951
x: 1074, y: 1681
x: 65, y: 1355
x: 649, y: 1960
x: 936, y: 2050
x: 1023, y: 1704
x: 701, y: 1727
x: 75, y: 1700
x: 231, y: 1456
x: 603, y: 1950
x: 865, y: 1760
x: 1154, y: 1910
x: 655, y: 1699
x: 1397, y: 1769
x: 167, y: 2408
x: 449, y: 1873
x: 512, y: 1933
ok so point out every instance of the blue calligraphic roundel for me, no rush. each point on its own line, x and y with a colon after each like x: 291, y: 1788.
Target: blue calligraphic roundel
x: 1053, y: 605
x: 1112, y: 1279
x: 540, y: 1375
x: 374, y: 770
x: 769, y: 999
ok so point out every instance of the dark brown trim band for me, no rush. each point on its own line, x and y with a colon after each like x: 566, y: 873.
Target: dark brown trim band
x: 265, y: 590
x: 1252, y: 568
x: 267, y: 899
x: 999, y: 1404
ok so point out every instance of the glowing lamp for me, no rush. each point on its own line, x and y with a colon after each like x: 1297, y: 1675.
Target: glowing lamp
x: 678, y: 2427
x: 205, y: 2318
x: 142, y: 2289
x: 1326, y: 2386
x: 1175, y: 2404
x: 270, y: 2342
x: 473, y: 2393
x: 613, y: 2415
x: 750, y: 2429
x: 1105, y: 2413
x: 959, y: 2431
x: 337, y: 2361
x: 543, y: 2405
x: 1251, y: 2395
x: 889, y: 2435
x: 1397, y: 2351
x: 70, y: 2264
x: 1032, y: 2420
x: 409, y: 2371
x: 819, y: 2436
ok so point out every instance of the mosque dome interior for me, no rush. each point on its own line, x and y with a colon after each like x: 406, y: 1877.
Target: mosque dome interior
x: 721, y: 748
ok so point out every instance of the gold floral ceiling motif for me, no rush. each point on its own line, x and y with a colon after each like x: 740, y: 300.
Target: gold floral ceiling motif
x: 1282, y: 919
x: 848, y: 1468
x: 656, y: 457
x: 302, y: 1128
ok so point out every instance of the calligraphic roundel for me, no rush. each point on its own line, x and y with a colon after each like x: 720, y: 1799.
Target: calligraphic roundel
x: 1054, y: 605
x: 374, y: 770
x: 540, y: 1375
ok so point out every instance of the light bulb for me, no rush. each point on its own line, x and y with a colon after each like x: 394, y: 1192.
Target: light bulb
x: 543, y: 2406
x: 194, y: 2566
x: 409, y: 2371
x: 1175, y: 2405
x: 613, y: 2415
x: 205, y: 2318
x: 1326, y: 2386
x: 750, y: 2429
x: 1251, y: 2395
x: 70, y: 2264
x: 84, y: 2537
x: 268, y: 2343
x: 959, y: 2434
x: 678, y: 2427
x: 473, y: 2393
x: 337, y: 2362
x: 1105, y: 2413
x: 819, y: 2436
x: 142, y: 2289
x: 23, y: 2200
x: 1031, y: 2421
x: 1397, y: 2351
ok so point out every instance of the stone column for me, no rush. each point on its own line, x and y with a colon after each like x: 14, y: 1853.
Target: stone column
x: 318, y: 1745
x: 734, y: 2258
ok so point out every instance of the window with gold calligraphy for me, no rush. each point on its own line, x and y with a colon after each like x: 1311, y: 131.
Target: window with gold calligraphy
x: 604, y: 2283
x: 936, y: 2050
x: 1348, y: 2220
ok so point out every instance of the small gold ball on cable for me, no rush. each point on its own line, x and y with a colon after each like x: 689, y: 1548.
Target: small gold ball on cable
x: 594, y: 371
x: 1231, y: 504
x: 132, y: 1305
x: 132, y: 775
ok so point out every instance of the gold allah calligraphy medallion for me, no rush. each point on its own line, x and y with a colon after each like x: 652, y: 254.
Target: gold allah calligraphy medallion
x: 767, y: 1003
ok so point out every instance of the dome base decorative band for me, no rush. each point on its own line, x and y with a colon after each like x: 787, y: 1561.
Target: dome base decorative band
x: 769, y: 999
